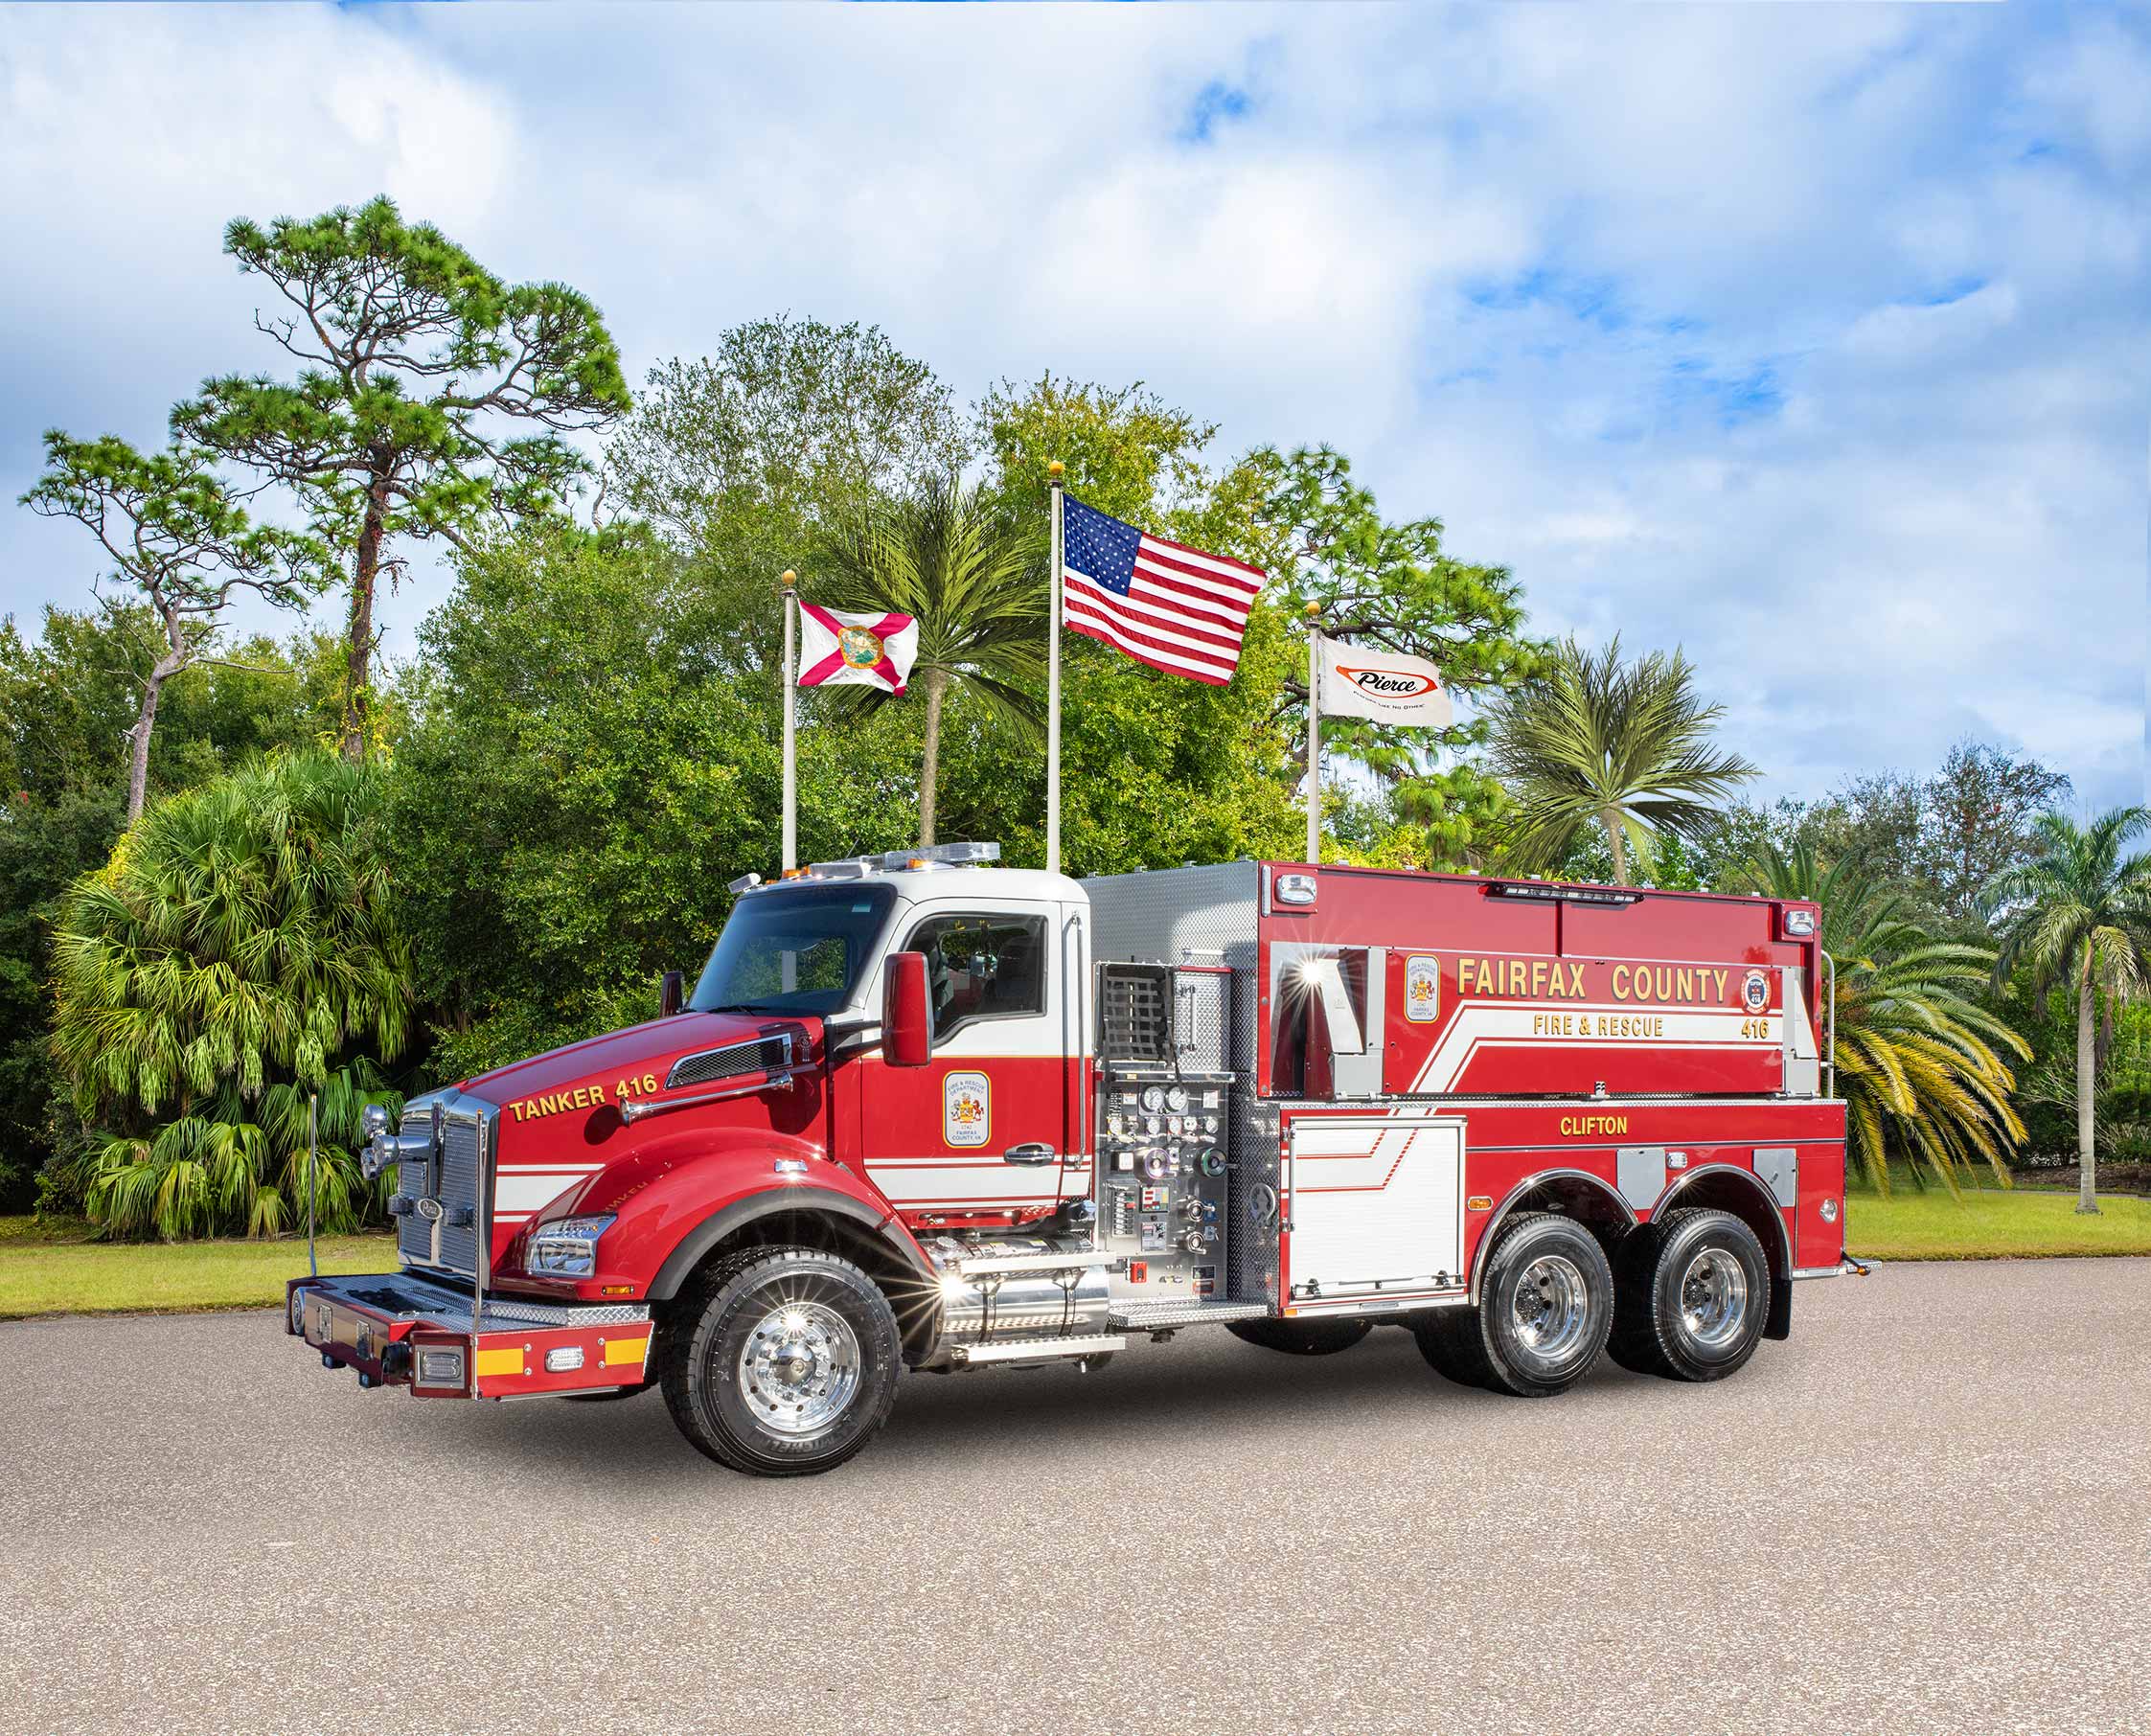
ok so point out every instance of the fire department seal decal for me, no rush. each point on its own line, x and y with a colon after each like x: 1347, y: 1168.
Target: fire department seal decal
x: 1755, y: 992
x: 860, y: 648
x: 1422, y: 990
x: 967, y: 1106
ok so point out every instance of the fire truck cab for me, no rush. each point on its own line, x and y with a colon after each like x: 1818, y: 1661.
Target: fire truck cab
x: 924, y: 1113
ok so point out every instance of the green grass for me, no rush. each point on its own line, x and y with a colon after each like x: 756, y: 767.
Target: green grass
x: 1991, y: 1223
x: 55, y: 1270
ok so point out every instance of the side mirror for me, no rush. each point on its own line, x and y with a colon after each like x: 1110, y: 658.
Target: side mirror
x: 907, y: 1031
x: 672, y: 995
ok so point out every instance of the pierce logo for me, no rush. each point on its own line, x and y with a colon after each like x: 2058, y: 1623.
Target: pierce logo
x: 1390, y: 683
x: 966, y: 1110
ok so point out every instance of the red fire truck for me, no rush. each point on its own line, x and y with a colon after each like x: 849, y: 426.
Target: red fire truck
x: 921, y: 1113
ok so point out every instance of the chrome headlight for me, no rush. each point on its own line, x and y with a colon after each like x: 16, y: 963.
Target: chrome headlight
x: 567, y: 1248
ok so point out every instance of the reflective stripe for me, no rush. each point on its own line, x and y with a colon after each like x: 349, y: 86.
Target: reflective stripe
x: 501, y: 1362
x: 626, y: 1350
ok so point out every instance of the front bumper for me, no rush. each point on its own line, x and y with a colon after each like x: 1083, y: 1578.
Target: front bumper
x: 406, y: 1329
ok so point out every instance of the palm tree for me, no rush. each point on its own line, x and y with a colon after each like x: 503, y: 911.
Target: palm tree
x: 978, y: 592
x: 239, y: 953
x: 2079, y: 914
x: 1622, y: 746
x: 1918, y: 1062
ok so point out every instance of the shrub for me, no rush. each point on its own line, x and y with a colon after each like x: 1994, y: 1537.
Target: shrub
x: 239, y: 953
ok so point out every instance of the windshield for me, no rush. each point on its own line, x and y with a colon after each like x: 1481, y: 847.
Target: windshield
x: 793, y: 950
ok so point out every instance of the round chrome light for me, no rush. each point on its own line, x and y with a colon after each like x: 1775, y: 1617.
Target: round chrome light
x: 1829, y: 1211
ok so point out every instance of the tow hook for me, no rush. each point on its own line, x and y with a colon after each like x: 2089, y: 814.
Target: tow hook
x: 396, y: 1362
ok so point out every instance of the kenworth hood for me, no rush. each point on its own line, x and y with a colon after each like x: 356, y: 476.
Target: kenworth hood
x: 623, y: 1065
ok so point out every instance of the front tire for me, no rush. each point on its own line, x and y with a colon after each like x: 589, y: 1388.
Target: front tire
x: 1694, y: 1297
x: 1545, y: 1307
x: 1302, y: 1337
x: 781, y: 1362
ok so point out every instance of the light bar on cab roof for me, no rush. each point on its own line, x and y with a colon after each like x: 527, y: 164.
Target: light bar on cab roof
x: 942, y: 856
x: 1565, y: 895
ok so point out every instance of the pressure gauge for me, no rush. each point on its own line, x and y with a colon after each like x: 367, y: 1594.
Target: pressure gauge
x: 1173, y: 1126
x: 1153, y: 1099
x: 1176, y: 1100
x: 1209, y: 1124
x: 1154, y: 1126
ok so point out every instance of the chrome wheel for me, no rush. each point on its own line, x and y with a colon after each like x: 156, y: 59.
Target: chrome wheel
x: 799, y: 1368
x: 1550, y: 1306
x: 1713, y: 1299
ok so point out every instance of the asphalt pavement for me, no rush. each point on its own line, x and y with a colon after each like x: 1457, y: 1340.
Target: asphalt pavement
x: 1930, y: 1511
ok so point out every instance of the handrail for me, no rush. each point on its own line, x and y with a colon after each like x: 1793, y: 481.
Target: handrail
x: 1830, y: 1041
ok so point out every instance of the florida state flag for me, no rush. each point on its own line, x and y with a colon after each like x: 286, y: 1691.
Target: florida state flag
x: 837, y: 647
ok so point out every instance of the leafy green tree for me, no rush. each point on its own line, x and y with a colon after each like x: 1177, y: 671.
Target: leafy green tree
x: 750, y: 458
x: 246, y: 938
x: 978, y: 591
x: 1125, y: 452
x: 1918, y: 1059
x: 68, y: 701
x: 1155, y: 769
x: 416, y: 366
x: 1391, y: 585
x: 2079, y: 914
x: 1941, y: 837
x: 580, y: 778
x: 1622, y: 746
x: 179, y: 541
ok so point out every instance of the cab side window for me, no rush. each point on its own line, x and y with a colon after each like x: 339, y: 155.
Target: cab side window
x: 981, y: 967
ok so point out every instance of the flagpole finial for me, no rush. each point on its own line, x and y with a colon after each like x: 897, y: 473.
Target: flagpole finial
x: 1055, y: 468
x: 1312, y: 610
x: 790, y: 579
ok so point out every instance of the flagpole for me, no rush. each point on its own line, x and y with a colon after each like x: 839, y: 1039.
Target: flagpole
x: 1313, y: 735
x: 790, y: 582
x: 1053, y: 689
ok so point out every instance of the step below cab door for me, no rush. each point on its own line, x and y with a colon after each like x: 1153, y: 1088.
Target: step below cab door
x: 991, y: 1128
x: 1376, y: 1209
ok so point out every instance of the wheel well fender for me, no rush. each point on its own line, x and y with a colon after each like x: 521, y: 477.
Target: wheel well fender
x: 1727, y: 1187
x: 1591, y: 1200
x: 811, y: 1217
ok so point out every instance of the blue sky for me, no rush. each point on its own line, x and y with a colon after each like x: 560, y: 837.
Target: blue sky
x: 1812, y: 340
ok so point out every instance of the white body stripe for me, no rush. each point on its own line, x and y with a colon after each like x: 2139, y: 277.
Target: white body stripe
x: 1508, y: 1025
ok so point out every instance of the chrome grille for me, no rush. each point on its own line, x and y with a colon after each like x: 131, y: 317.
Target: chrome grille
x: 762, y: 1054
x: 457, y: 1192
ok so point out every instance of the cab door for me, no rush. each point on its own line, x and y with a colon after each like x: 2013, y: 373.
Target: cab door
x: 979, y: 1133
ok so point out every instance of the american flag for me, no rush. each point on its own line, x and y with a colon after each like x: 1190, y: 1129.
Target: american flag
x: 1163, y: 603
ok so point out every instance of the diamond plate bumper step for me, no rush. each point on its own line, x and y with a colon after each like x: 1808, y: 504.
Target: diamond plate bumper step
x: 1143, y: 1317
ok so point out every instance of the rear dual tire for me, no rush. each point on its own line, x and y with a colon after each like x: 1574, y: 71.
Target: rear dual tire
x: 1693, y: 1296
x: 1545, y: 1310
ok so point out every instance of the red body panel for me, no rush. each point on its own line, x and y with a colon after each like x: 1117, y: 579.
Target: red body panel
x: 1481, y: 940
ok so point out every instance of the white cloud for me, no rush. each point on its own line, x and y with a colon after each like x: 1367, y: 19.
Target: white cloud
x: 1812, y: 340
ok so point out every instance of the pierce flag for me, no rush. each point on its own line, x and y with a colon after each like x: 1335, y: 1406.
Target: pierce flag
x: 1386, y: 686
x: 843, y: 648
